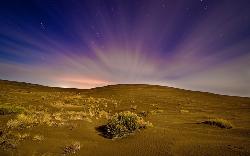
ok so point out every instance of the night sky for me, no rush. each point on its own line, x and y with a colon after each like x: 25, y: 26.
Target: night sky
x: 191, y: 44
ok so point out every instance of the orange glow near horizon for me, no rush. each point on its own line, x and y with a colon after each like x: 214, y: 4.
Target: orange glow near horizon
x: 76, y: 82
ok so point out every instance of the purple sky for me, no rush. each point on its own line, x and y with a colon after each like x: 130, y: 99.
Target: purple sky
x: 195, y: 44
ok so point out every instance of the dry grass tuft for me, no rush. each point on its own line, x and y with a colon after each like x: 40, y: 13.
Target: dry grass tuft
x: 156, y: 111
x: 38, y: 138
x: 133, y: 107
x: 72, y: 148
x: 23, y: 136
x: 184, y: 111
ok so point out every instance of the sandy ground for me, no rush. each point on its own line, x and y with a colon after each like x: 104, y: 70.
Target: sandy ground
x: 176, y: 116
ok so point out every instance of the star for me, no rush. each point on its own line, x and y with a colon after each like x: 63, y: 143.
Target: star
x: 42, y: 25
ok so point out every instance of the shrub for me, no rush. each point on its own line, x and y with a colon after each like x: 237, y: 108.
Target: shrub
x: 124, y: 123
x: 222, y: 123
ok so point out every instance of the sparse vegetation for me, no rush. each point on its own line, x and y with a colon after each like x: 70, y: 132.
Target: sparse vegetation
x: 124, y: 123
x: 72, y: 148
x: 30, y: 120
x: 155, y: 109
x: 9, y: 109
x: 69, y: 115
x: 222, y: 123
x: 22, y: 121
x: 34, y: 118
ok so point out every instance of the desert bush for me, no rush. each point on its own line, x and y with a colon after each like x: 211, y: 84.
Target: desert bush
x: 222, y: 123
x: 124, y: 123
x: 8, y: 109
x: 72, y: 148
